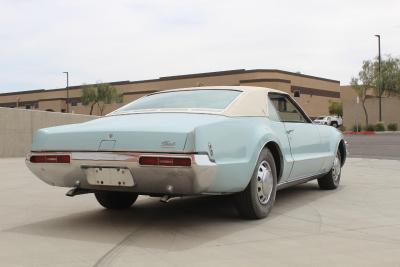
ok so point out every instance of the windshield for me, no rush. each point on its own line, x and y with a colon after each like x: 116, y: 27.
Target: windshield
x: 320, y: 118
x: 190, y: 99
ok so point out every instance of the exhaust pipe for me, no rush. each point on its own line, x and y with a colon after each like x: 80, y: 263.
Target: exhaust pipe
x: 165, y: 198
x: 76, y: 190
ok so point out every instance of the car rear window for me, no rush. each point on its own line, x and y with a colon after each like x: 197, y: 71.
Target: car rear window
x: 190, y: 99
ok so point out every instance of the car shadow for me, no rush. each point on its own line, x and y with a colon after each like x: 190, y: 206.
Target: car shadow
x: 186, y: 222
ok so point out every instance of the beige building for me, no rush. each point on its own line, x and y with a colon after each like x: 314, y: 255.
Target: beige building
x: 313, y: 93
x: 353, y: 111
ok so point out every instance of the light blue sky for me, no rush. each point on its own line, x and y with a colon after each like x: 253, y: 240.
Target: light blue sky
x: 117, y: 40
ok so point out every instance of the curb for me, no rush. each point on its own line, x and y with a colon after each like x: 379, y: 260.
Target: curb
x: 371, y: 133
x: 359, y: 133
x: 388, y: 132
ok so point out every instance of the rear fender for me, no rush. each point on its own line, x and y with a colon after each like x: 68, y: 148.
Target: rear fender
x: 330, y: 140
x: 234, y: 145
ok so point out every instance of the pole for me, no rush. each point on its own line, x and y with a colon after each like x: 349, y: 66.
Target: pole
x: 66, y: 72
x: 379, y: 78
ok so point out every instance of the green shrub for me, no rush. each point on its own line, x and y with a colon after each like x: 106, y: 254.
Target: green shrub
x: 392, y: 127
x: 354, y: 128
x: 379, y: 127
x: 369, y: 128
x: 342, y: 128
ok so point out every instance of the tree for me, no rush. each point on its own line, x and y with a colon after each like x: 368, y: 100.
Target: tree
x: 336, y: 108
x: 369, y: 79
x: 99, y: 94
x: 390, y: 76
x: 364, y: 82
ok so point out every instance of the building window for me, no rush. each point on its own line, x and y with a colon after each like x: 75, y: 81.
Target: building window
x: 74, y: 103
x: 28, y: 107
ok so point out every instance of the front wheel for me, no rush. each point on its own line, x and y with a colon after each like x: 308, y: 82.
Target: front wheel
x: 256, y: 201
x: 116, y: 200
x: 332, y: 179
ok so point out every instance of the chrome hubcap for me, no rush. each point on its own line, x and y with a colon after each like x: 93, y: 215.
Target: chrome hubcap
x: 265, y: 182
x: 336, y: 169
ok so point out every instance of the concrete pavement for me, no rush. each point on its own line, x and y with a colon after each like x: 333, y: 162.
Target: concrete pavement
x: 356, y: 225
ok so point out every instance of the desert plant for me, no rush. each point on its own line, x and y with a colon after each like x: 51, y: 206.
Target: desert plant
x: 392, y: 127
x: 369, y: 128
x: 379, y: 127
x: 336, y: 108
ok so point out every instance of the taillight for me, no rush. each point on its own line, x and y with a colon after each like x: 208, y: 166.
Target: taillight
x: 50, y: 159
x: 165, y: 161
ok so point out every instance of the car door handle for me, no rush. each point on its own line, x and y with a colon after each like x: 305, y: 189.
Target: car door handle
x: 289, y: 131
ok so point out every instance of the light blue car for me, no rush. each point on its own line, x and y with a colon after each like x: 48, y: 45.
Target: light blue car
x: 245, y: 141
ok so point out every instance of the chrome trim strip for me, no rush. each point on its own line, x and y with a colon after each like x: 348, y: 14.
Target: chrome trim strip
x: 195, y: 179
x: 281, y: 186
x: 101, y: 156
x: 198, y: 159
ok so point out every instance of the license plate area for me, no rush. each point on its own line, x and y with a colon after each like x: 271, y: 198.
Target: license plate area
x: 109, y: 176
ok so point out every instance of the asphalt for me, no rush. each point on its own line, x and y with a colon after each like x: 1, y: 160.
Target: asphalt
x: 379, y: 146
x: 356, y: 225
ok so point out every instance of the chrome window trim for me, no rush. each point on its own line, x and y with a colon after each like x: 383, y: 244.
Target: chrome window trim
x: 179, y: 110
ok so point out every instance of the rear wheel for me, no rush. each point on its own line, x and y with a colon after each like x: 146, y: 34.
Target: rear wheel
x: 332, y: 179
x: 256, y: 201
x: 116, y: 200
x: 334, y: 124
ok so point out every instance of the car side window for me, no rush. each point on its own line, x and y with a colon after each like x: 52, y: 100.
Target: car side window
x: 287, y: 111
x: 272, y: 112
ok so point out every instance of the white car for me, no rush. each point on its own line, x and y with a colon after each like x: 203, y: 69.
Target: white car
x: 334, y: 121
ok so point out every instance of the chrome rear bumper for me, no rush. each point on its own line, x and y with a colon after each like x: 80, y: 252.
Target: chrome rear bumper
x: 171, y: 180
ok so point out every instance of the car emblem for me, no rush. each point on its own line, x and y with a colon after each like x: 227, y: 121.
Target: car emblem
x: 168, y: 143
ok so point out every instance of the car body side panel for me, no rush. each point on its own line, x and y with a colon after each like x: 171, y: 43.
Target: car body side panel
x: 235, y: 145
x: 304, y: 139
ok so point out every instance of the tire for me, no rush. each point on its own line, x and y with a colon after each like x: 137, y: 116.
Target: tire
x: 115, y: 200
x: 257, y: 200
x: 334, y: 124
x: 332, y: 179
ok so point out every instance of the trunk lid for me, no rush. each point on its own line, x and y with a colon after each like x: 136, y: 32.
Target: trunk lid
x: 168, y: 132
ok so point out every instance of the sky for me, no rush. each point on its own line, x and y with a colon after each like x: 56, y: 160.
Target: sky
x: 106, y: 41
